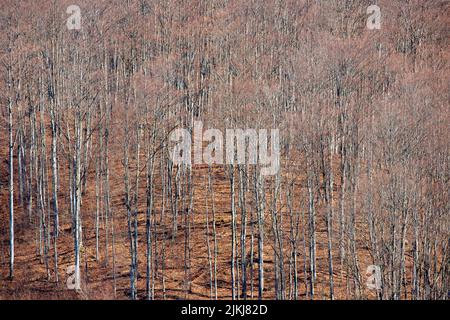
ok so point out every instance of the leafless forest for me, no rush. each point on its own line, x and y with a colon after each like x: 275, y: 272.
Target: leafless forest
x: 89, y: 191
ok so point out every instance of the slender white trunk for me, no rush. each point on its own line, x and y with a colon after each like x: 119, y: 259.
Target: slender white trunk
x: 11, y: 191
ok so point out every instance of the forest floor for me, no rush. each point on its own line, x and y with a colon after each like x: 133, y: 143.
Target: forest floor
x: 31, y: 281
